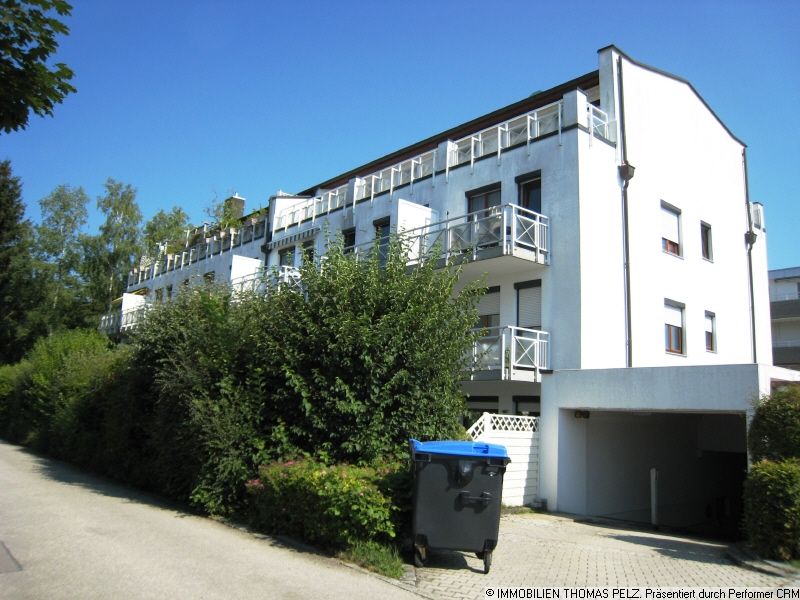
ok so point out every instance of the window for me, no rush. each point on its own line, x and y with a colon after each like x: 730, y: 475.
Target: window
x: 670, y: 229
x: 209, y: 276
x: 382, y: 230
x: 673, y: 327
x: 169, y: 292
x: 286, y: 257
x: 160, y: 295
x: 529, y: 304
x: 348, y: 240
x: 705, y: 241
x: 477, y: 405
x: 483, y: 198
x: 711, y: 332
x: 530, y: 193
x: 527, y: 405
x: 308, y: 251
x: 489, y: 309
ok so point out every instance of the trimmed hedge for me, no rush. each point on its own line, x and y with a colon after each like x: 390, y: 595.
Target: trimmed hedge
x: 772, y: 508
x: 334, y: 507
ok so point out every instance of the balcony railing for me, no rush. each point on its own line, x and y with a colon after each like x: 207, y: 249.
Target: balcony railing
x: 263, y: 280
x: 123, y: 320
x: 509, y: 228
x: 510, y: 353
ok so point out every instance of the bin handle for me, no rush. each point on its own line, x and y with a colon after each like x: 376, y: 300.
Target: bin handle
x: 484, y: 498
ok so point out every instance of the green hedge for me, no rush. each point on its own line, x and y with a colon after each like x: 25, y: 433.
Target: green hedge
x: 772, y: 508
x: 775, y: 431
x: 333, y: 507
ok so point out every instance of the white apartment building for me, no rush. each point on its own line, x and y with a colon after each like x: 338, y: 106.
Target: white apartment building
x: 784, y: 296
x: 627, y: 303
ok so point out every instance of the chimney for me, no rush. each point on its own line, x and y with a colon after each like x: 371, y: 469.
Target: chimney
x: 234, y: 206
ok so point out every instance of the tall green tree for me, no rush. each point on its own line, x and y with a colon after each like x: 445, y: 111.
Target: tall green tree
x: 109, y: 256
x: 165, y: 228
x: 28, y: 36
x: 58, y: 250
x: 17, y: 284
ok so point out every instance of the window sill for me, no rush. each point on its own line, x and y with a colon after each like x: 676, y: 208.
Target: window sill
x: 667, y: 252
x: 673, y: 353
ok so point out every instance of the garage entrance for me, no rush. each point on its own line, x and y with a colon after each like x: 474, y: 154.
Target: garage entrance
x: 685, y: 469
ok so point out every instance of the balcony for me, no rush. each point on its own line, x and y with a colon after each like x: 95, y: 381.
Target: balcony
x: 510, y: 354
x: 507, y: 230
x: 262, y: 281
x: 120, y: 321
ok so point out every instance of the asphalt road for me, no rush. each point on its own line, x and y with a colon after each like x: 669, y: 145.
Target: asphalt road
x: 66, y: 534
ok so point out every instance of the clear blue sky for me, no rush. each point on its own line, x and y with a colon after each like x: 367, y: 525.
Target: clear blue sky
x: 189, y: 101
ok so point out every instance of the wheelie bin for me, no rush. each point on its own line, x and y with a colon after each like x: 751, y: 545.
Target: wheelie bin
x: 458, y: 488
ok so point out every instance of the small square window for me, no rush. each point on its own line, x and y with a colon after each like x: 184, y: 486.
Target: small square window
x: 670, y: 229
x: 673, y: 328
x: 705, y: 241
x: 286, y: 257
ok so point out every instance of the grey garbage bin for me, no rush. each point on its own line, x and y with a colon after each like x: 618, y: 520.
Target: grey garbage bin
x: 458, y: 488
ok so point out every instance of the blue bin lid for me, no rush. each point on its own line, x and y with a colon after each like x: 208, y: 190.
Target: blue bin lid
x: 458, y: 448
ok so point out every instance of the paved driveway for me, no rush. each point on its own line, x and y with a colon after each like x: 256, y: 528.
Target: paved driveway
x: 551, y: 551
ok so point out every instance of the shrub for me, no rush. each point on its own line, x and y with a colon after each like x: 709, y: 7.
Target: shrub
x: 772, y: 508
x: 12, y: 379
x: 775, y: 430
x: 330, y: 506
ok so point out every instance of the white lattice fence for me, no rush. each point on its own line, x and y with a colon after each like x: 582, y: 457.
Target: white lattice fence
x: 520, y: 436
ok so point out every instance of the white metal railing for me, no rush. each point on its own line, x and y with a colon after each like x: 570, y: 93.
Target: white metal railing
x: 510, y: 349
x: 211, y: 246
x: 509, y: 227
x: 784, y: 296
x: 488, y: 423
x: 493, y: 140
x: 262, y: 280
x: 123, y: 320
x: 598, y: 121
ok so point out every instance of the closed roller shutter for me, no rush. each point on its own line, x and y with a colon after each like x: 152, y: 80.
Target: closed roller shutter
x: 529, y: 307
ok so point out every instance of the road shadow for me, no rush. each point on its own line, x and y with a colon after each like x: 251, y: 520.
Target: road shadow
x: 450, y: 561
x: 694, y: 550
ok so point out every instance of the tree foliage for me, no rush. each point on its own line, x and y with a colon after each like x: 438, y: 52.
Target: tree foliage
x: 28, y: 37
x: 109, y: 256
x: 18, y: 295
x: 165, y: 228
x: 59, y: 252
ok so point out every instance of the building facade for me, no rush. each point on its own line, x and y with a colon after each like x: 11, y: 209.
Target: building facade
x: 627, y: 302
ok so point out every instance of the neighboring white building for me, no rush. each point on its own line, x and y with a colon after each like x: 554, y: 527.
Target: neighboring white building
x: 628, y: 303
x: 784, y: 295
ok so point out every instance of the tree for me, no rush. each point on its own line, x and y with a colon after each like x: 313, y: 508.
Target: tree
x: 58, y: 249
x: 371, y: 353
x: 28, y: 33
x: 109, y: 256
x: 165, y: 227
x: 17, y: 285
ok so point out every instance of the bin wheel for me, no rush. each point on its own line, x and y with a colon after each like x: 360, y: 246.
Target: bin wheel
x: 419, y: 556
x: 487, y: 561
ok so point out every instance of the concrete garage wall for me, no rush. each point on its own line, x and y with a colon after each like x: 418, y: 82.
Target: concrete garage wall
x: 697, y: 482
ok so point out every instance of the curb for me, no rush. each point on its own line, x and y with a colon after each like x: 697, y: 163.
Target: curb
x: 746, y: 558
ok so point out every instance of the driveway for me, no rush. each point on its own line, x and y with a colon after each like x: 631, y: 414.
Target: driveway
x: 66, y: 534
x: 552, y: 551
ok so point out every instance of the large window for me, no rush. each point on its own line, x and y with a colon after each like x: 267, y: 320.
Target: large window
x: 477, y: 405
x: 673, y: 327
x: 348, y: 240
x: 286, y: 257
x: 489, y: 309
x: 483, y: 199
x: 530, y: 192
x: 670, y: 229
x: 711, y: 332
x: 529, y: 304
x: 705, y: 241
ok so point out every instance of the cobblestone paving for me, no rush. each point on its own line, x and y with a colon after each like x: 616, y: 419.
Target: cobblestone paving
x: 550, y: 551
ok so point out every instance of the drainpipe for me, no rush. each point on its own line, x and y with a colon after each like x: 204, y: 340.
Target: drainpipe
x: 750, y: 240
x: 626, y: 174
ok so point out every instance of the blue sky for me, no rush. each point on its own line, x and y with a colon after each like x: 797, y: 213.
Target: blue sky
x: 189, y: 101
